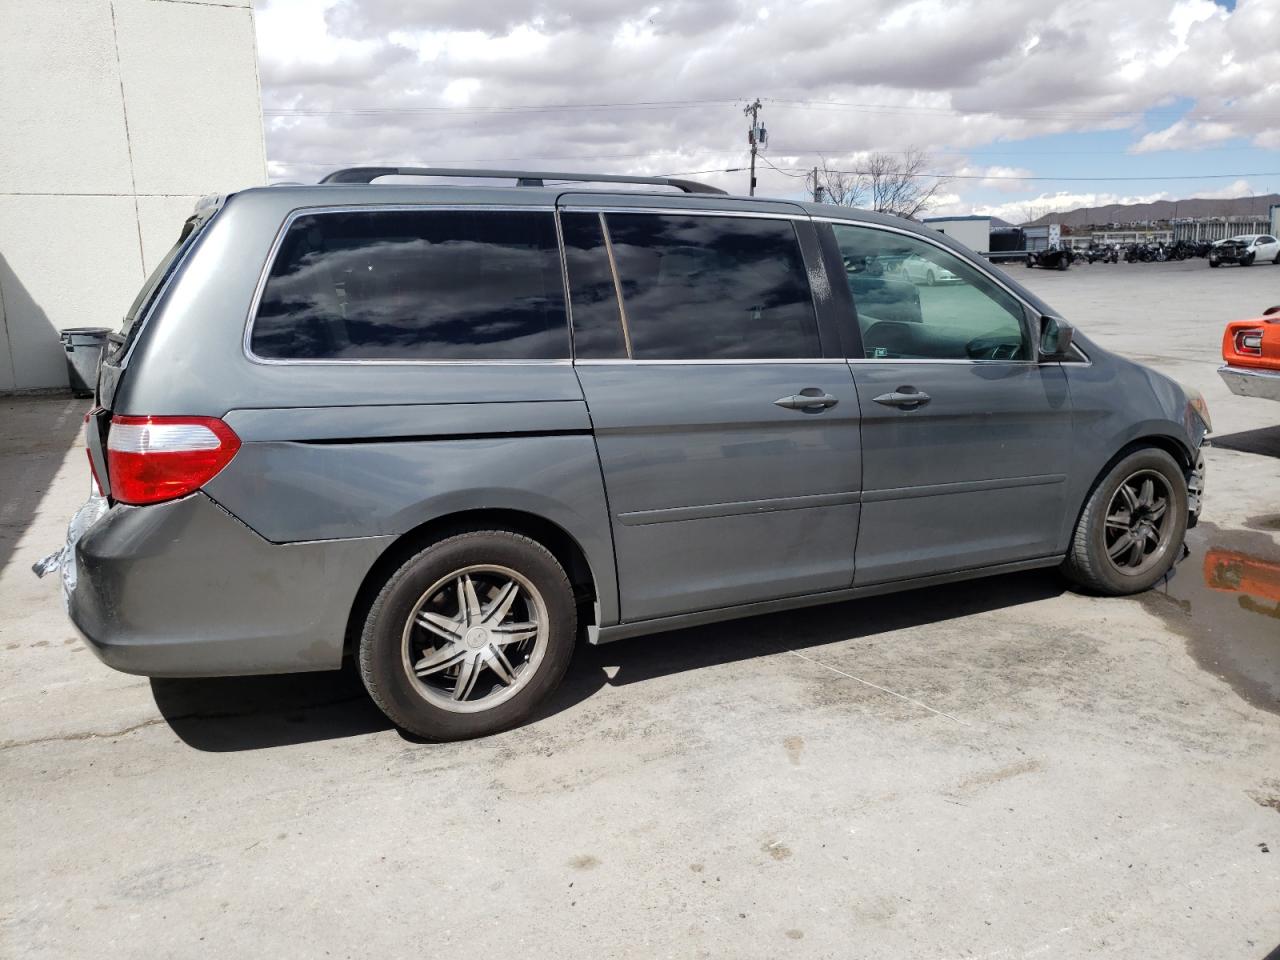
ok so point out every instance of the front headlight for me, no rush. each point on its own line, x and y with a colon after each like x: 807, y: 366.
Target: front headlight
x: 1198, y: 403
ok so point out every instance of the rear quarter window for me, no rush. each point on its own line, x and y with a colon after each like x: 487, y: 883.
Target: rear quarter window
x: 415, y: 285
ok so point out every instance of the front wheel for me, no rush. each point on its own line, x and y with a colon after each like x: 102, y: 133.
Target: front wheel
x: 1247, y: 261
x: 1130, y: 529
x: 467, y: 637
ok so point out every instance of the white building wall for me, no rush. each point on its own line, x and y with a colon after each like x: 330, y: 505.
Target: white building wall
x: 115, y: 117
x: 974, y: 234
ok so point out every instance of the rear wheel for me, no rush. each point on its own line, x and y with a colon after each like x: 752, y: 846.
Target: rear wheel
x: 1128, y: 534
x: 468, y: 636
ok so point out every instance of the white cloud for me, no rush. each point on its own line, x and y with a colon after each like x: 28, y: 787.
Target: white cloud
x: 1184, y: 135
x: 385, y: 81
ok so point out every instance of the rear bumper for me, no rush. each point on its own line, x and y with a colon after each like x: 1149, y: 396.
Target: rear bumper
x: 1245, y: 382
x: 183, y: 589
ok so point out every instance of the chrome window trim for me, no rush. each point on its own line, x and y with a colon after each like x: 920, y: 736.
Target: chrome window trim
x: 247, y: 340
x: 980, y: 268
x: 684, y: 211
x: 1024, y: 363
x: 972, y: 263
x: 739, y: 361
x: 622, y: 308
x: 617, y: 285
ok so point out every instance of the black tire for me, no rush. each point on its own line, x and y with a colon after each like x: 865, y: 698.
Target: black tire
x: 1215, y: 264
x: 930, y: 279
x: 382, y: 660
x: 1247, y: 261
x: 1087, y: 564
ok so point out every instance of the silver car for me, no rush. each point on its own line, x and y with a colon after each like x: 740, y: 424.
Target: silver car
x: 453, y: 431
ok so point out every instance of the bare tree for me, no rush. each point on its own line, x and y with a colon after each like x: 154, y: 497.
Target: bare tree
x: 899, y: 183
x: 841, y: 187
x: 888, y: 182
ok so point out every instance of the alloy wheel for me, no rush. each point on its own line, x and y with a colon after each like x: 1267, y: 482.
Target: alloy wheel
x: 474, y: 638
x: 1139, y: 523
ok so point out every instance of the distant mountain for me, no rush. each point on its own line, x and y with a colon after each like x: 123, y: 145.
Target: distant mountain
x: 1161, y: 210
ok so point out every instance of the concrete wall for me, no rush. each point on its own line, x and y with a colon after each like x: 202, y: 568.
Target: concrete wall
x: 115, y: 117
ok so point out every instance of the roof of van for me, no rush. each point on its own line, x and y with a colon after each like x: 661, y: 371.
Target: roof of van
x: 392, y: 194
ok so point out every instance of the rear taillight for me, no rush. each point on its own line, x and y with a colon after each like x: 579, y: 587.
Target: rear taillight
x: 150, y: 459
x: 1249, y: 343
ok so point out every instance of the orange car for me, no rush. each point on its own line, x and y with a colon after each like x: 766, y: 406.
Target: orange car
x: 1253, y: 577
x: 1251, y: 349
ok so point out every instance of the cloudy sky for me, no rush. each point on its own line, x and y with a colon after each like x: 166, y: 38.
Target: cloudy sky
x: 1052, y: 104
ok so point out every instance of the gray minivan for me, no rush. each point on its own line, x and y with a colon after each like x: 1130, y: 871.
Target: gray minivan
x: 449, y: 430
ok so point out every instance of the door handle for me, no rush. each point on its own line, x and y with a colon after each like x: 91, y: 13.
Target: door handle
x: 904, y: 398
x: 810, y: 400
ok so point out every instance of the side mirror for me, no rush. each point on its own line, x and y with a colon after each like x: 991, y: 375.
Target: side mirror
x: 1055, y: 338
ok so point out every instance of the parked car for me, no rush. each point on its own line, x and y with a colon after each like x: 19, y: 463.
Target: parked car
x: 1245, y: 250
x: 449, y: 431
x: 919, y: 270
x: 1054, y: 258
x: 1251, y: 356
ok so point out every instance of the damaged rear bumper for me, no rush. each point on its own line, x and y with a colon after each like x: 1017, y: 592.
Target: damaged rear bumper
x: 184, y: 589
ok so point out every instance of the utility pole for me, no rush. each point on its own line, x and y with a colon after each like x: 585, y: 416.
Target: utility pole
x: 817, y: 187
x: 756, y: 136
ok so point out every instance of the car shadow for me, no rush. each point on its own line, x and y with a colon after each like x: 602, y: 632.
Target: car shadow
x: 38, y: 432
x: 1264, y: 441
x: 252, y: 713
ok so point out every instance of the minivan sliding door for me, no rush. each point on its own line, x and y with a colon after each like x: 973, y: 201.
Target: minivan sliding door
x: 728, y: 440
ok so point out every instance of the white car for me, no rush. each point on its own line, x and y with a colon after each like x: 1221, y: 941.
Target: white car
x: 919, y: 270
x: 1246, y: 249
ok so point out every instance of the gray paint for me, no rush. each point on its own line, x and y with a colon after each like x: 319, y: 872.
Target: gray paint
x: 306, y: 491
x: 691, y: 494
x: 184, y: 589
x: 945, y: 485
x: 690, y: 438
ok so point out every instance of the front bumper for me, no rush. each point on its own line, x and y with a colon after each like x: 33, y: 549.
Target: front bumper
x: 1195, y: 490
x: 1246, y: 382
x: 184, y: 589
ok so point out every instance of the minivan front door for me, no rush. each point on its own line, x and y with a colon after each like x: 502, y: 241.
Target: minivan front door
x: 728, y: 441
x: 966, y: 438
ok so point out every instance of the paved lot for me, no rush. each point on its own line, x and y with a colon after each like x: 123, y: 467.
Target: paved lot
x: 995, y: 769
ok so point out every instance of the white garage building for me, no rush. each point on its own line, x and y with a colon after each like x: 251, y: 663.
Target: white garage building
x: 973, y: 232
x: 115, y: 117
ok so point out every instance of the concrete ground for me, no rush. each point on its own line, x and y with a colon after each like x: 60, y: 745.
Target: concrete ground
x: 994, y: 769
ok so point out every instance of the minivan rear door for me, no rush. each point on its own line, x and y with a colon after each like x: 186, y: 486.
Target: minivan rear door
x: 725, y: 417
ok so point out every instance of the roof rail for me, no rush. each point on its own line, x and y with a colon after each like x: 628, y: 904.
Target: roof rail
x: 523, y: 178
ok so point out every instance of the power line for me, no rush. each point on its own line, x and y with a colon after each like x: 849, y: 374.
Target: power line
x: 784, y: 172
x: 822, y: 105
x: 516, y: 108
x: 978, y: 176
